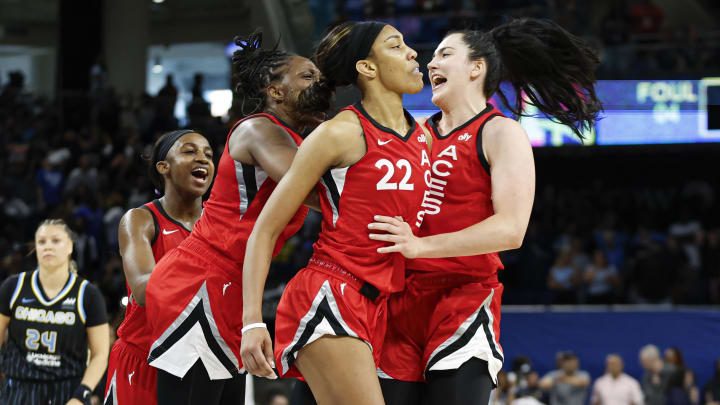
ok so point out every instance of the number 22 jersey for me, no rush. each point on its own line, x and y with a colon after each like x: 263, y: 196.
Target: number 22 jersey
x: 388, y: 180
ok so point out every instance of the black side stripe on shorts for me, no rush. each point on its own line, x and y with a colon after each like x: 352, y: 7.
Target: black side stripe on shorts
x: 323, y: 312
x: 324, y: 307
x: 196, y: 316
x: 481, y: 319
x: 111, y: 395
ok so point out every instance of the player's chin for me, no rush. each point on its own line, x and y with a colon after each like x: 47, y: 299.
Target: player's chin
x: 414, y: 84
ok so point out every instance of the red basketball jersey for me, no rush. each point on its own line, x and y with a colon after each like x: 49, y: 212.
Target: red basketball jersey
x: 238, y: 195
x: 168, y: 235
x: 460, y: 193
x: 388, y: 180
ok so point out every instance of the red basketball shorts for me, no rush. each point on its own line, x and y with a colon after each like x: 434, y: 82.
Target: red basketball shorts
x: 324, y: 299
x: 439, y: 322
x: 194, y: 308
x: 130, y: 379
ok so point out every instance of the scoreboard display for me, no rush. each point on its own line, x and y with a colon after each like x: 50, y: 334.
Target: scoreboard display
x: 636, y: 112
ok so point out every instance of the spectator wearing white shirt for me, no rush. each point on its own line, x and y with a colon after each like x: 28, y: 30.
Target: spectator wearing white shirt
x: 616, y: 387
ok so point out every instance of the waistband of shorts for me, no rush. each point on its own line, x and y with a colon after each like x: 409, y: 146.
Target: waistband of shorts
x: 435, y: 280
x: 327, y: 266
x: 209, y: 253
x: 122, y: 344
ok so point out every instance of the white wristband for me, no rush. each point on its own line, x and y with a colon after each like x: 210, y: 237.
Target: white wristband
x: 252, y: 326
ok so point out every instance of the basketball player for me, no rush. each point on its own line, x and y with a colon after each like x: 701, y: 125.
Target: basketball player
x: 181, y: 165
x: 52, y: 316
x: 445, y: 327
x: 194, y: 292
x: 331, y: 318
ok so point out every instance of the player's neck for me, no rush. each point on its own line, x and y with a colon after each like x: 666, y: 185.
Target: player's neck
x: 460, y: 112
x: 184, y: 209
x: 285, y: 116
x: 386, y: 108
x: 53, y: 279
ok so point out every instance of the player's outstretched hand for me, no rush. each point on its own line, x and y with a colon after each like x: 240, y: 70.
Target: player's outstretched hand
x: 398, y: 233
x: 257, y: 354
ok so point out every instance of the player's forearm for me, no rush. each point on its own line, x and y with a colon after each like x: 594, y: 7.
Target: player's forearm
x: 494, y: 234
x: 138, y: 286
x: 95, y: 369
x: 256, y: 266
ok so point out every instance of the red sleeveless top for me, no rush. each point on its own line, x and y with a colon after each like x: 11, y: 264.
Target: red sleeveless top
x: 388, y: 180
x: 460, y: 193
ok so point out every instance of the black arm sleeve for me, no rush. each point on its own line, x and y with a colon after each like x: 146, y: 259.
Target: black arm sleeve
x: 6, y: 291
x: 94, y: 305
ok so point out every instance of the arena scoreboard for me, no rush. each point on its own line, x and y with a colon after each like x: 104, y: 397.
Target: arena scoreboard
x: 636, y: 112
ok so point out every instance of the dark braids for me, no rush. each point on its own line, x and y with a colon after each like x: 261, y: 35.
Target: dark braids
x: 254, y: 69
x: 553, y: 69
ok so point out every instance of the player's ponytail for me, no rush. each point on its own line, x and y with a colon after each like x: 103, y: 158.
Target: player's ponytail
x: 254, y: 69
x: 547, y: 66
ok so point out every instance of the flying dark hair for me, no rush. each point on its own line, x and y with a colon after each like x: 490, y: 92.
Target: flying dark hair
x: 159, y: 153
x: 254, y: 69
x: 553, y: 69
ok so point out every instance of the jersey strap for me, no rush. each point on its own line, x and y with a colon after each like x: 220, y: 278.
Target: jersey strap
x: 18, y: 288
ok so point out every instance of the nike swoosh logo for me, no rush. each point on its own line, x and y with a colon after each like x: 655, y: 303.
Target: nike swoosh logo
x: 27, y: 300
x: 166, y: 232
x: 383, y: 142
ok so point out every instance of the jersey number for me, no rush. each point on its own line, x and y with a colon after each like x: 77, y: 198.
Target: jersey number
x: 47, y: 339
x: 384, y: 184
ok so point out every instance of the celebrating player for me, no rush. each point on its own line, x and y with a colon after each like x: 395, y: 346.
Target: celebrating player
x: 52, y: 316
x: 445, y: 327
x: 194, y: 291
x: 331, y: 317
x: 181, y: 165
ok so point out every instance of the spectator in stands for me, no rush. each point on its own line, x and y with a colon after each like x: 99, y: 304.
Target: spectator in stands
x: 691, y: 387
x: 616, y: 387
x: 85, y: 174
x: 654, y: 380
x: 564, y: 279
x: 676, y: 392
x: 601, y: 280
x: 673, y: 360
x: 711, y: 391
x: 531, y: 387
x: 504, y: 394
x: 655, y: 271
x: 198, y: 111
x: 569, y: 384
x: 49, y: 180
x: 647, y: 18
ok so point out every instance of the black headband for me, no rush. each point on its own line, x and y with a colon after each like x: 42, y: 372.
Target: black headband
x: 362, y: 36
x: 169, y: 140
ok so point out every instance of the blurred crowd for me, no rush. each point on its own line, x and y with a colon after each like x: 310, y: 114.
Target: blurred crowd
x: 666, y: 380
x: 633, y: 36
x: 87, y: 167
x: 603, y: 244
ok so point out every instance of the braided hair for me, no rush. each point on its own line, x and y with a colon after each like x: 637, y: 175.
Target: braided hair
x: 254, y: 70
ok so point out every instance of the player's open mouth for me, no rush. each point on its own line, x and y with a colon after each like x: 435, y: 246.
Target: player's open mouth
x: 437, y: 81
x: 200, y: 173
